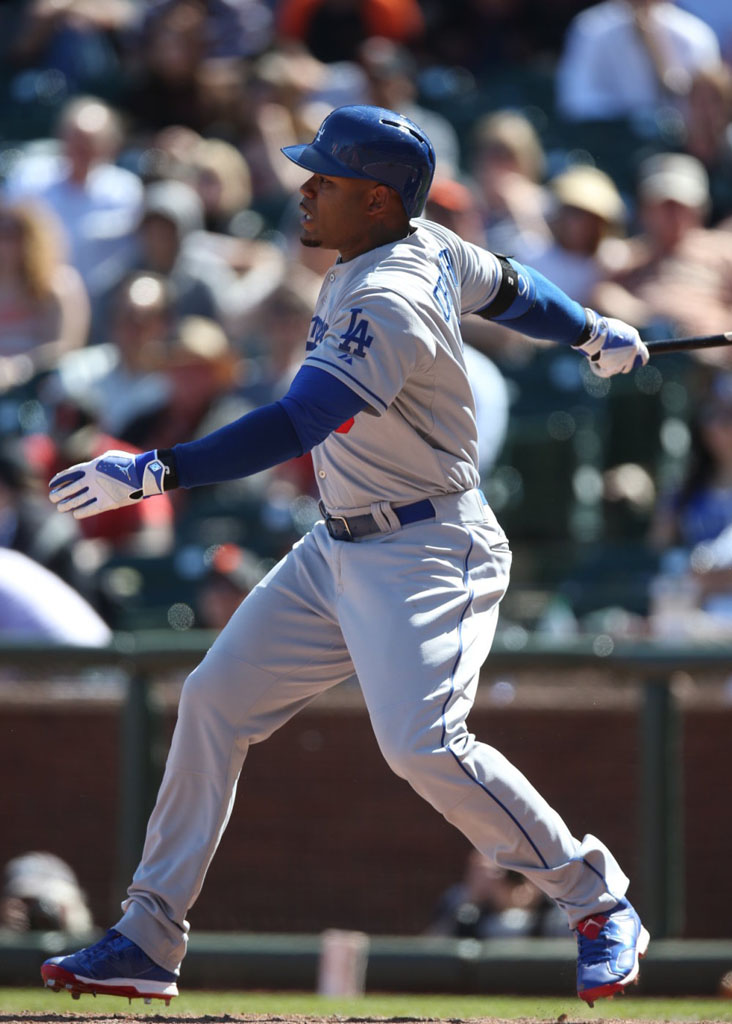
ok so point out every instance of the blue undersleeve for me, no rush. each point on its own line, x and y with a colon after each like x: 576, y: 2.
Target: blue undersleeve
x: 543, y: 310
x: 318, y: 403
x: 314, y: 406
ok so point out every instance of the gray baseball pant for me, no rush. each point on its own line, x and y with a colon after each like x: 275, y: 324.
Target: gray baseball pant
x: 413, y: 612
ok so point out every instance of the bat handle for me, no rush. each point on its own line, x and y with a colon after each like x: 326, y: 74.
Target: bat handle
x: 689, y: 344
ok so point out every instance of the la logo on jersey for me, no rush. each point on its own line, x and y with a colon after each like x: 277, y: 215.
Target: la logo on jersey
x: 318, y: 330
x: 355, y: 340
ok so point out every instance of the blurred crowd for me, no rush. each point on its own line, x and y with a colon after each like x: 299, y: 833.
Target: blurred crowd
x: 152, y: 286
x: 40, y: 892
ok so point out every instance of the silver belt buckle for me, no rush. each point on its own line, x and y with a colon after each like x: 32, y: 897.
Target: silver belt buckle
x: 341, y: 519
x: 334, y: 519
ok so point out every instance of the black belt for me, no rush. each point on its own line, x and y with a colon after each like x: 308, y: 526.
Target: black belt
x: 342, y: 528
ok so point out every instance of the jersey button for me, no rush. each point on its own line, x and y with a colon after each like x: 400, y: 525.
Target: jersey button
x: 331, y: 277
x: 321, y: 473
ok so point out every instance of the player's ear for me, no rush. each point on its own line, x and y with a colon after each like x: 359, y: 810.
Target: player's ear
x: 385, y: 205
x: 379, y: 198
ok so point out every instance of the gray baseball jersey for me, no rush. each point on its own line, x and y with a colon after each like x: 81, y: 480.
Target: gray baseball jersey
x: 387, y: 324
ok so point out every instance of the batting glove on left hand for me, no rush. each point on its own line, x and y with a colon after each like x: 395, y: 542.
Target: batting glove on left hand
x: 613, y: 346
x: 110, y: 481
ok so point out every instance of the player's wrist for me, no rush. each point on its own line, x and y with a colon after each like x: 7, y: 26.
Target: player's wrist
x: 152, y: 473
x: 170, y: 477
x: 589, y: 331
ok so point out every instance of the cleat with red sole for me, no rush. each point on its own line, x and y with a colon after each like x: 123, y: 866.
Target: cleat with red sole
x: 610, y: 947
x: 114, y: 966
x: 59, y: 980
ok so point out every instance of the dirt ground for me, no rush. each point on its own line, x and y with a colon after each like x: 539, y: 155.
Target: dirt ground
x: 254, y: 1018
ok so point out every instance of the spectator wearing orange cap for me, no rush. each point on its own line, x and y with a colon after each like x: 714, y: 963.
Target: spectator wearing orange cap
x: 455, y: 205
x: 332, y: 30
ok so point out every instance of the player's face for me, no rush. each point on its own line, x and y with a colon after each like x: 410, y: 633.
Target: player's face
x: 333, y: 214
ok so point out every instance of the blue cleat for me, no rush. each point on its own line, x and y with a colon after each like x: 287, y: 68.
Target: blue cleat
x: 609, y: 948
x: 114, y: 966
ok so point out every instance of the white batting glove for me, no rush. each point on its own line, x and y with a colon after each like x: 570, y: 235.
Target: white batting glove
x: 613, y: 346
x: 109, y: 481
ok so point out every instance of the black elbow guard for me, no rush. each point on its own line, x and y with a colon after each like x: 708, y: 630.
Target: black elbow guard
x: 516, y: 293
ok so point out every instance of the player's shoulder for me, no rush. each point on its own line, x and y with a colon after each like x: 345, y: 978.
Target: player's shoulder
x: 388, y: 295
x: 436, y: 239
x: 392, y: 289
x: 386, y: 267
x: 429, y: 231
x: 411, y: 263
x: 416, y: 254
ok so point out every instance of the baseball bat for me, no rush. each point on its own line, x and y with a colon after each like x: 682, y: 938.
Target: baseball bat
x: 689, y: 344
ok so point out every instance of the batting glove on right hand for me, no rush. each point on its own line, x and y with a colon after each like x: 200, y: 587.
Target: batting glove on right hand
x: 110, y: 481
x: 613, y: 346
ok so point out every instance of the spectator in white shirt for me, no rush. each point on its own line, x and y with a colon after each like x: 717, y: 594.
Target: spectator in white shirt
x: 628, y: 58
x: 97, y: 203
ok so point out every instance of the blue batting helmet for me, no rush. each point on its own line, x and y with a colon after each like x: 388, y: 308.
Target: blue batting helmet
x: 374, y: 143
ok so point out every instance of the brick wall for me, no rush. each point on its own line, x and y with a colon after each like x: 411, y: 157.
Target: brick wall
x: 324, y: 835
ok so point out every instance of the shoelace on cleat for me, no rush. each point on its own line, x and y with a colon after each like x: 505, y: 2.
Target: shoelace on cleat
x: 593, y: 949
x: 119, y: 957
x: 108, y: 947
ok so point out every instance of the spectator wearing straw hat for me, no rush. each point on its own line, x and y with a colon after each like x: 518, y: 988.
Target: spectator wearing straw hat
x: 587, y: 210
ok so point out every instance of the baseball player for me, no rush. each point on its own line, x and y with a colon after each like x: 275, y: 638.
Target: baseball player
x: 401, y: 580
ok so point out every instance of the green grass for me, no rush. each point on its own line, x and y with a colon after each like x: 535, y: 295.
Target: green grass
x: 197, y: 1003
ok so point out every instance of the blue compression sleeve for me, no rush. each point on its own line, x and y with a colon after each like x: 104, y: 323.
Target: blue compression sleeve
x: 318, y: 403
x: 540, y: 309
x: 257, y: 441
x: 315, y: 405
